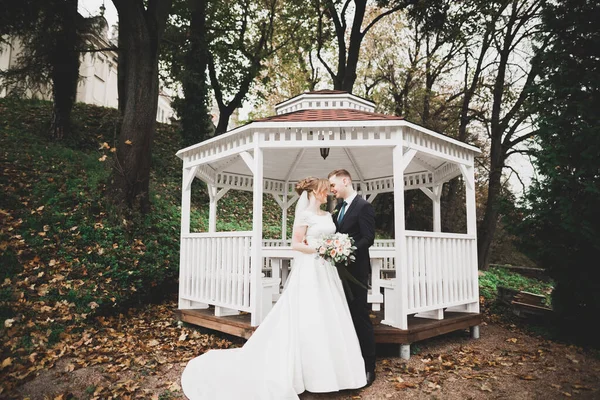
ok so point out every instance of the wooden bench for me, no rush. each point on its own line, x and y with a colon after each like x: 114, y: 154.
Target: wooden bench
x: 526, y: 303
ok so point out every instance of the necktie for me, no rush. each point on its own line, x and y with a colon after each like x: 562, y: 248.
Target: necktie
x: 342, y: 210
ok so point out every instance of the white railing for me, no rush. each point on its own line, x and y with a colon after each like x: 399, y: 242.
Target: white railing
x: 441, y: 270
x: 215, y: 269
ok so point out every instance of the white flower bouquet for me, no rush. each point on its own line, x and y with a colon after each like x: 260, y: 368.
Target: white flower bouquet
x: 337, y: 248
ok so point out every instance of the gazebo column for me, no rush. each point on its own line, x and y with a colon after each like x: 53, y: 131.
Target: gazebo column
x: 256, y: 293
x: 468, y: 174
x: 469, y: 177
x: 437, y: 208
x: 214, y: 195
x: 184, y: 261
x: 435, y: 194
x: 212, y: 208
x: 396, y: 297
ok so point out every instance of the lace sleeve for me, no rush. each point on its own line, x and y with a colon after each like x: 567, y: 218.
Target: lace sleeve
x: 302, y: 219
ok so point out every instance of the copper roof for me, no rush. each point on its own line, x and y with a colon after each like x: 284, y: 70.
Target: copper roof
x: 328, y: 114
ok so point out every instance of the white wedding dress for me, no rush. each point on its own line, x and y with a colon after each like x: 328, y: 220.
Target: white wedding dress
x: 306, y: 342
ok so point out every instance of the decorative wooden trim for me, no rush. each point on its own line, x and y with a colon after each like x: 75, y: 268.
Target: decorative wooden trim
x: 249, y: 160
x: 190, y: 177
x: 467, y: 177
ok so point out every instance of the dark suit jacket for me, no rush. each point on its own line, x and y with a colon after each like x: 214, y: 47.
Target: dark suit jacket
x: 359, y: 223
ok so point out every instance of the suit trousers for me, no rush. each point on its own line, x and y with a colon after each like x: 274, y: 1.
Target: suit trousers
x: 359, y: 310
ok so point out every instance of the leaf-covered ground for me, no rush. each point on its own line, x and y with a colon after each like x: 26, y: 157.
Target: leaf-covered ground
x: 142, y: 353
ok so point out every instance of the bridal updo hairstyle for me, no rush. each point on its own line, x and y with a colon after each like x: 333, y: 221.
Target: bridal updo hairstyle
x: 312, y: 185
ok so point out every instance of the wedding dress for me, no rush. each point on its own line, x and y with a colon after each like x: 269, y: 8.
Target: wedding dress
x: 306, y: 342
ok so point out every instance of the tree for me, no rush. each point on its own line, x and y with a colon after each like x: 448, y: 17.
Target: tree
x: 141, y: 26
x: 513, y: 70
x: 337, y: 11
x: 52, y: 34
x: 293, y: 68
x: 185, y: 53
x: 560, y: 215
x: 241, y: 39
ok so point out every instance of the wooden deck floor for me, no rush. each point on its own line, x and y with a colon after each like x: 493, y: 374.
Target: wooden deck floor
x: 418, y: 328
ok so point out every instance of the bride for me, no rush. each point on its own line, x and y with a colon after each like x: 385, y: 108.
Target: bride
x: 306, y: 342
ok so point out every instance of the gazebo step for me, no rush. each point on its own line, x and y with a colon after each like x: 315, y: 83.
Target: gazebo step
x: 418, y: 328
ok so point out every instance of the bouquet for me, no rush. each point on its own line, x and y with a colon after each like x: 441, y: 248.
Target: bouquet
x: 338, y: 249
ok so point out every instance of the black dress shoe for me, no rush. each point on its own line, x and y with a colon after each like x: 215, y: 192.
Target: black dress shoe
x: 370, y: 378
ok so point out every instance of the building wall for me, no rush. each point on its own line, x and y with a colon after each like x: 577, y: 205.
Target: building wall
x: 164, y: 112
x: 98, y: 79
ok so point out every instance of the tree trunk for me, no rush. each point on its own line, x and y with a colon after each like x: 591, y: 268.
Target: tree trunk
x: 356, y: 37
x: 140, y: 31
x: 65, y: 71
x: 225, y: 113
x: 487, y: 227
x: 195, y: 122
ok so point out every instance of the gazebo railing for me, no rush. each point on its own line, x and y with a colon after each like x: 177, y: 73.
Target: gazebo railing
x: 441, y: 270
x: 215, y: 269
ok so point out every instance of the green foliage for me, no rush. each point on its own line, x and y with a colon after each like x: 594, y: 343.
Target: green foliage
x: 498, y: 276
x: 54, y: 198
x: 69, y: 227
x: 560, y: 217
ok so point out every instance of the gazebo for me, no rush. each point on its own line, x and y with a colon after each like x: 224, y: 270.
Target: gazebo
x: 418, y: 275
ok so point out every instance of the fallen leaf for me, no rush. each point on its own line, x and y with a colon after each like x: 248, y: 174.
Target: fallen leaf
x: 8, y: 322
x: 183, y: 336
x: 485, y: 387
x: 512, y: 340
x: 103, y: 158
x: 7, y: 362
x: 129, y: 142
x: 580, y: 387
x: 404, y: 385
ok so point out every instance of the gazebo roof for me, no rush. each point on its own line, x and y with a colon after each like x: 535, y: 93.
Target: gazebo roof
x: 358, y: 140
x: 330, y: 114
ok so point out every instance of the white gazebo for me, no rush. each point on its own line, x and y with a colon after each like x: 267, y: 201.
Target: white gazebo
x: 418, y: 273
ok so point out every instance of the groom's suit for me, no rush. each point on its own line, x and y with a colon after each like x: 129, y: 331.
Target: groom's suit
x: 359, y: 223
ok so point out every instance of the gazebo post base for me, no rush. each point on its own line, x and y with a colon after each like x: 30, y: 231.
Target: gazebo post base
x: 224, y: 312
x: 405, y: 351
x: 474, y: 331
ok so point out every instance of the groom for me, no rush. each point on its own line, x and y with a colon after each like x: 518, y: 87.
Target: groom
x: 356, y: 217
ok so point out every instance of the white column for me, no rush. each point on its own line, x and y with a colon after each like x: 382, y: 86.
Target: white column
x: 284, y: 210
x: 437, y: 214
x: 257, y: 229
x: 186, y: 198
x: 212, y: 208
x: 401, y: 291
x: 469, y: 175
x: 470, y: 198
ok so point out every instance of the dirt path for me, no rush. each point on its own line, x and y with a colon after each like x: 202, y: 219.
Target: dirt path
x: 142, y: 355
